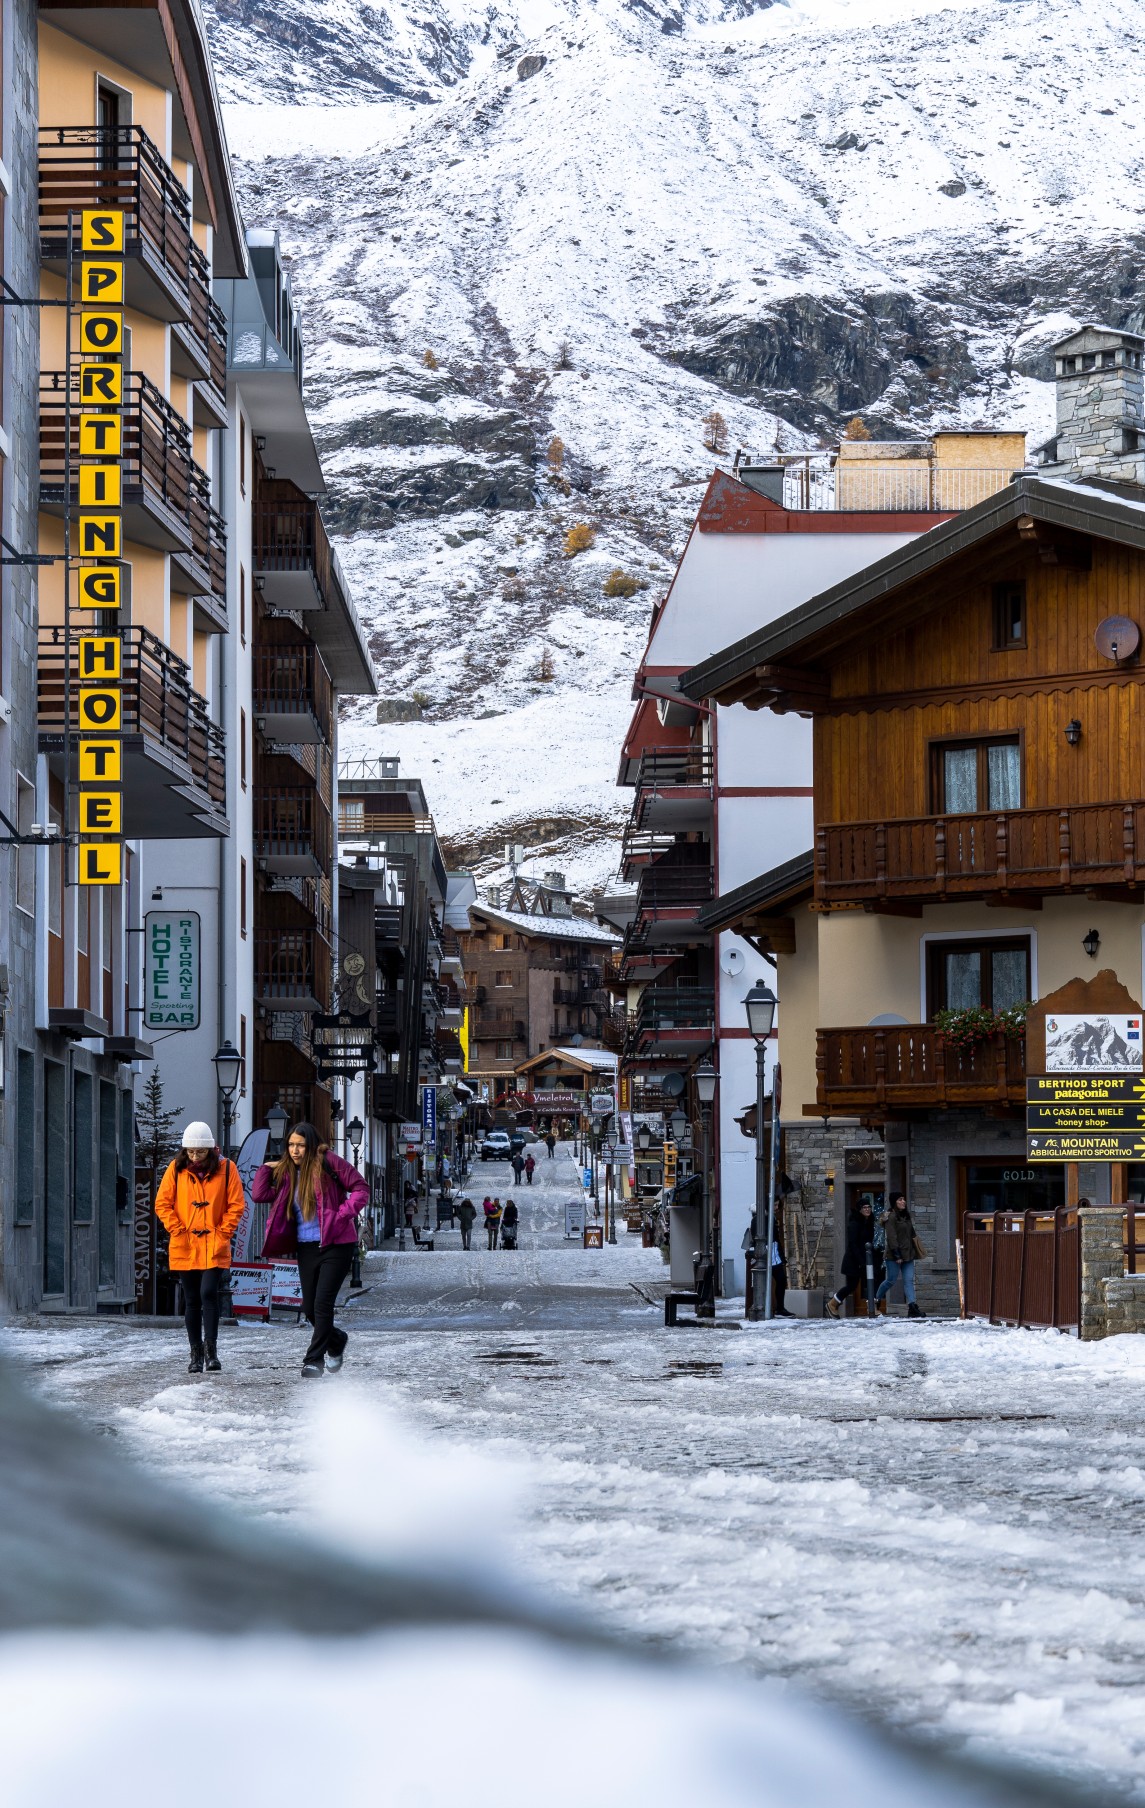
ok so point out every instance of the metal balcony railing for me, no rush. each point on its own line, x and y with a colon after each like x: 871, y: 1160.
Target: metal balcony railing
x: 95, y: 166
x: 208, y: 536
x: 289, y: 537
x: 675, y: 1008
x: 673, y: 890
x: 291, y: 969
x: 906, y: 486
x: 156, y: 698
x: 665, y: 768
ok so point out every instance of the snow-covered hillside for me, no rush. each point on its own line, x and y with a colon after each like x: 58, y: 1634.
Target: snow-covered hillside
x: 552, y: 219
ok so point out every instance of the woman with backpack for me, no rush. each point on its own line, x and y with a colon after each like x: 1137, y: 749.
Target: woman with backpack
x: 314, y: 1216
x: 199, y: 1204
x: 902, y: 1249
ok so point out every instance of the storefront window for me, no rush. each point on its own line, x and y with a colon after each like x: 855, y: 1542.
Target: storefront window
x: 995, y: 1186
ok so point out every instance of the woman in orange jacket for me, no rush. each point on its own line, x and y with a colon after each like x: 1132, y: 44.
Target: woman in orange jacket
x: 199, y: 1203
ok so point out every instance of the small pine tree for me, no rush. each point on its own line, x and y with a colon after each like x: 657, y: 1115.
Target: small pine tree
x: 564, y: 356
x: 157, y: 1126
x: 715, y: 431
x: 429, y: 361
x: 546, y: 671
x: 856, y: 428
x: 579, y: 539
x: 556, y: 453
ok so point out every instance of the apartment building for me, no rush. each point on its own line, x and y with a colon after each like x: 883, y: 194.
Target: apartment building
x: 535, y: 977
x: 713, y: 783
x: 137, y: 217
x: 263, y: 908
x: 975, y: 704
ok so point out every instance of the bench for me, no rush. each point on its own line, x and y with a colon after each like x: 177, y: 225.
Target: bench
x: 673, y: 1302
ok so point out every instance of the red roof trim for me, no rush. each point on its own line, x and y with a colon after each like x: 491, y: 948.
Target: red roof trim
x: 729, y: 507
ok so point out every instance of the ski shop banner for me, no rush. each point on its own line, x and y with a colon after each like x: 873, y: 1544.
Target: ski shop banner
x: 248, y: 1161
x: 251, y: 1287
x: 285, y: 1287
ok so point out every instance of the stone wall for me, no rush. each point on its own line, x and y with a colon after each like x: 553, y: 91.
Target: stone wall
x: 1112, y: 1301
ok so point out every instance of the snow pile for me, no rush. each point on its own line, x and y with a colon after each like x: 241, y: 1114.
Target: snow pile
x: 789, y: 213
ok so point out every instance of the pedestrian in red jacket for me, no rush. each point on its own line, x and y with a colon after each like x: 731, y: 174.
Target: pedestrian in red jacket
x: 316, y: 1200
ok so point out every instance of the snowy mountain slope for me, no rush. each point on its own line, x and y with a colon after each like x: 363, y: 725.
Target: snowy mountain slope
x: 789, y: 212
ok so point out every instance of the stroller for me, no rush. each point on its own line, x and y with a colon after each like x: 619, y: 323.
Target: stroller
x: 508, y: 1236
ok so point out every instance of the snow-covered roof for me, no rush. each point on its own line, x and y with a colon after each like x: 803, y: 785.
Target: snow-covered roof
x: 563, y: 929
x: 596, y: 1057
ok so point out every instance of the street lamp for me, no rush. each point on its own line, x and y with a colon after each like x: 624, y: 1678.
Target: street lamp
x: 704, y: 1080
x: 760, y: 1006
x: 228, y: 1065
x: 644, y: 1139
x: 276, y: 1122
x: 678, y: 1123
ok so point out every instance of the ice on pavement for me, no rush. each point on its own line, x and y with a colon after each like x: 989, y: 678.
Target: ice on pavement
x: 934, y: 1523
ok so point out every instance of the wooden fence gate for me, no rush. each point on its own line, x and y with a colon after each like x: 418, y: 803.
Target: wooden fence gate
x: 1023, y: 1268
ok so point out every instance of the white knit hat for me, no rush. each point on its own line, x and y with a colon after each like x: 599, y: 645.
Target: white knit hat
x: 198, y: 1136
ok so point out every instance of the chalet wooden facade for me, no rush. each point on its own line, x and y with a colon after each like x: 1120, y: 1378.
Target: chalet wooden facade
x: 979, y: 734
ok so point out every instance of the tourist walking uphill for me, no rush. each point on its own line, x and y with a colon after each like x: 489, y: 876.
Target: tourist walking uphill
x: 316, y: 1200
x: 199, y: 1204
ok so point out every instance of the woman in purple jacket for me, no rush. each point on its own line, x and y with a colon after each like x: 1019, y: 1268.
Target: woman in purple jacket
x: 316, y: 1200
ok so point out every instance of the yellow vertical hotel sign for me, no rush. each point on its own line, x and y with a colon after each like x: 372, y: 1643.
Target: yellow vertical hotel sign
x: 100, y: 545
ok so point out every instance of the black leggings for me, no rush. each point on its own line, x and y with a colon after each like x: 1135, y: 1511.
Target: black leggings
x: 321, y: 1271
x: 201, y: 1303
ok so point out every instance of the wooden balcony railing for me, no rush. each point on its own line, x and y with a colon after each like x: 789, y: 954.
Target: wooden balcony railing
x: 288, y: 536
x: 291, y: 970
x: 157, y: 702
x: 665, y: 768
x: 899, y: 1066
x: 96, y: 166
x: 678, y: 891
x: 934, y: 857
x: 290, y: 681
x: 354, y: 822
x: 292, y: 832
x: 208, y: 536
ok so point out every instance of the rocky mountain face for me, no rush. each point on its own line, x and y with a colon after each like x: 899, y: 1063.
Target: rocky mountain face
x: 537, y: 242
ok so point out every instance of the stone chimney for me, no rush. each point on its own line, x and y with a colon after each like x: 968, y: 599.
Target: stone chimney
x: 1100, y: 406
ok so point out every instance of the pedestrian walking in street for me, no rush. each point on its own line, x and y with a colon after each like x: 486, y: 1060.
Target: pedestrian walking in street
x: 314, y: 1215
x: 518, y: 1165
x: 902, y: 1249
x: 199, y: 1204
x: 509, y: 1219
x: 550, y: 1144
x: 466, y: 1212
x: 530, y: 1164
x: 492, y: 1221
x: 860, y: 1232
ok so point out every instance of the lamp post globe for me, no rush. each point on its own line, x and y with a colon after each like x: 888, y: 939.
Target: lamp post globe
x: 705, y: 1078
x: 760, y: 1006
x: 276, y: 1122
x: 644, y: 1139
x: 354, y: 1131
x: 227, y: 1063
x: 679, y: 1123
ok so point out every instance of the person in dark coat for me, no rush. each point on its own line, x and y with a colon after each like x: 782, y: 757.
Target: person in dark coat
x: 530, y: 1164
x: 509, y: 1220
x: 466, y: 1213
x: 550, y: 1144
x: 518, y: 1165
x: 860, y: 1232
x: 901, y: 1251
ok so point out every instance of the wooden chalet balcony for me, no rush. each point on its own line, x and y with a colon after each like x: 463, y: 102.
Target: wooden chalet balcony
x: 292, y: 560
x: 174, y: 756
x: 912, y: 1066
x: 293, y: 834
x: 926, y: 859
x: 291, y: 970
x: 120, y: 166
x: 291, y: 694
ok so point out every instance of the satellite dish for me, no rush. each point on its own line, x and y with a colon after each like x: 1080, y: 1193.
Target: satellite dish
x: 1117, y: 638
x: 672, y: 1084
x: 733, y: 961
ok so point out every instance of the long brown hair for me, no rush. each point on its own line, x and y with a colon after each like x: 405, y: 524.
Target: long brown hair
x: 308, y: 1170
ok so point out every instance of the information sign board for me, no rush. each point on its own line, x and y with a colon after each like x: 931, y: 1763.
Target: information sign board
x: 574, y: 1217
x: 1096, y: 1088
x: 251, y: 1288
x: 1107, y: 1145
x: 1084, y: 1116
x: 172, y: 969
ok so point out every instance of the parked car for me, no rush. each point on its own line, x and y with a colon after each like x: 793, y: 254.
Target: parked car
x: 496, y: 1146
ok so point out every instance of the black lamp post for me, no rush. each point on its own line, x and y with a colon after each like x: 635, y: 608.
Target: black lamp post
x: 705, y: 1083
x: 760, y: 1006
x: 276, y: 1122
x: 228, y: 1065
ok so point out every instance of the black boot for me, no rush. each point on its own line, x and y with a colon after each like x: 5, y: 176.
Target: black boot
x: 913, y: 1311
x: 213, y: 1363
x: 195, y: 1366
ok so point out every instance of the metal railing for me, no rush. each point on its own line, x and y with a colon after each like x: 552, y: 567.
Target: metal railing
x: 119, y: 166
x: 673, y: 890
x: 208, y: 534
x: 675, y: 1008
x: 662, y: 768
x: 288, y: 535
x: 947, y: 856
x: 914, y: 1064
x: 291, y: 680
x: 156, y: 699
x: 289, y: 822
x: 208, y: 323
x: 891, y: 486
x: 1023, y: 1268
